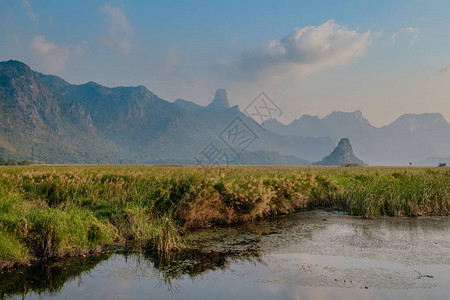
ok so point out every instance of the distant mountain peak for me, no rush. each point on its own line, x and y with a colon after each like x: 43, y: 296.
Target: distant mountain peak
x: 91, y: 84
x: 344, y: 143
x: 13, y: 62
x: 15, y: 67
x: 272, y: 122
x: 419, y: 122
x: 220, y: 100
x: 357, y: 114
x: 308, y: 117
x: 341, y: 155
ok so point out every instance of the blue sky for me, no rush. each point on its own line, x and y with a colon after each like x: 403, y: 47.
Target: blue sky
x: 385, y: 58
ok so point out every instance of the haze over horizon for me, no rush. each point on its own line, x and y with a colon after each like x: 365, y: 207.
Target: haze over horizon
x: 386, y: 58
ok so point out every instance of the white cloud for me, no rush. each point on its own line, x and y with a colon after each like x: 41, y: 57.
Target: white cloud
x: 52, y: 58
x: 414, y: 32
x: 26, y: 5
x: 119, y: 30
x: 304, y: 51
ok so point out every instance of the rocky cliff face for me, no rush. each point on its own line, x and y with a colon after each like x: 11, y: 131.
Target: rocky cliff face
x: 26, y: 104
x: 35, y: 124
x: 342, y: 155
x: 220, y: 100
x: 45, y: 119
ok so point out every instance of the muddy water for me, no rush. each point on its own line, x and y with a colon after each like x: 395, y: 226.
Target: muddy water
x: 303, y: 256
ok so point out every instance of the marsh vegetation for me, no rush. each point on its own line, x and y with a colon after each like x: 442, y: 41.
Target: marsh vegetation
x: 57, y: 211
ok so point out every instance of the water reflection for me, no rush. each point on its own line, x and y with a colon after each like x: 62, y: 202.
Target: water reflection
x: 299, y: 256
x: 52, y: 276
x: 193, y: 263
x: 47, y: 277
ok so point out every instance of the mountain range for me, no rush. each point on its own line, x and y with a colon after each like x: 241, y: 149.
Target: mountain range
x: 45, y: 119
x: 411, y: 138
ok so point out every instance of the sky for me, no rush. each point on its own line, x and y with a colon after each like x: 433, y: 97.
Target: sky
x: 385, y: 58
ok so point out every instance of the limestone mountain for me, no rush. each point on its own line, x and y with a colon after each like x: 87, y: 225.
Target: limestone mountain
x: 334, y: 125
x: 220, y: 100
x: 418, y: 123
x: 36, y: 125
x: 43, y: 118
x: 412, y: 137
x: 341, y: 155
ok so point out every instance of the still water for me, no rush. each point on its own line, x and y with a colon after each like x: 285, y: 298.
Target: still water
x: 303, y: 256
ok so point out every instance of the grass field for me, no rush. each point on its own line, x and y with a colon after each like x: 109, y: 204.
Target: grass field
x: 56, y: 211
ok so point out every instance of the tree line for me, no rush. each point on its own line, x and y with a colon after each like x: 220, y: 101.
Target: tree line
x: 13, y: 162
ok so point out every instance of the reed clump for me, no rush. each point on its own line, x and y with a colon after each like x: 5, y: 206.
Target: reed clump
x: 55, y: 211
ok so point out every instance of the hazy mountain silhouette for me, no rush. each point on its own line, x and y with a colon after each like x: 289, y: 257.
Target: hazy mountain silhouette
x: 341, y: 155
x: 46, y: 119
x: 412, y: 137
x: 220, y: 100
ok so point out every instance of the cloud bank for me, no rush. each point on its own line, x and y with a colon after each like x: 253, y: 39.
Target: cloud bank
x: 302, y: 52
x: 119, y: 30
x: 52, y: 58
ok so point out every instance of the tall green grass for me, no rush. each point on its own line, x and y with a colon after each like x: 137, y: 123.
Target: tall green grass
x: 407, y: 192
x: 54, y: 211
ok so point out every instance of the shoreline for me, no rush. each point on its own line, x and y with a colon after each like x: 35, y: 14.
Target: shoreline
x: 63, y: 211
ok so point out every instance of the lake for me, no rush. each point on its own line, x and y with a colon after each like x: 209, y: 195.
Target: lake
x: 314, y: 255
